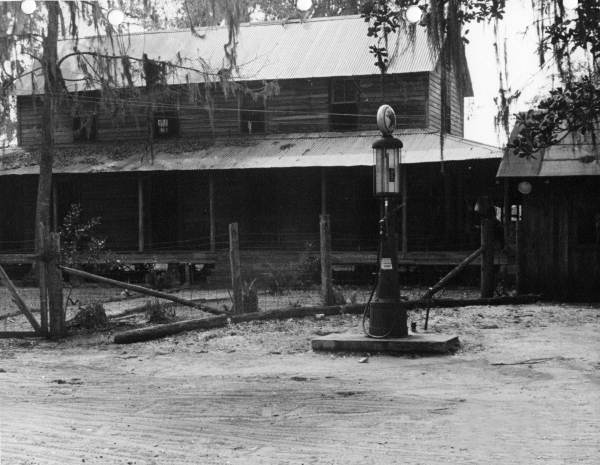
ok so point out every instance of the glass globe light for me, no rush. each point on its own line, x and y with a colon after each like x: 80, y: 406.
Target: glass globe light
x: 413, y: 14
x: 28, y: 6
x: 303, y: 5
x: 115, y: 17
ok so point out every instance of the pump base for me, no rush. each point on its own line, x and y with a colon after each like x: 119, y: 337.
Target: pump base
x: 422, y: 343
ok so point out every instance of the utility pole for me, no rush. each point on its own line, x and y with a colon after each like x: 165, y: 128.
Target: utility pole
x: 44, y: 193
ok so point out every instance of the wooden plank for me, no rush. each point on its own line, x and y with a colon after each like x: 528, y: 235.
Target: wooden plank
x: 155, y: 332
x: 235, y: 266
x: 18, y: 300
x: 18, y: 334
x: 140, y: 289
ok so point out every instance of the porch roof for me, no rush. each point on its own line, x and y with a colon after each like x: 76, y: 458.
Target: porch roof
x: 267, y: 151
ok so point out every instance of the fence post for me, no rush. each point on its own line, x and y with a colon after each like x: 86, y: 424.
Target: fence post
x: 519, y: 254
x: 42, y: 273
x: 326, y: 276
x: 487, y: 257
x: 55, y: 288
x: 236, y: 273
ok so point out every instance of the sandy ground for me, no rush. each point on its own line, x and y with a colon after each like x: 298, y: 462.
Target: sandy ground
x: 524, y: 389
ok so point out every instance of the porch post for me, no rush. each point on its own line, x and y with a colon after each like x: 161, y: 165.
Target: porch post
x: 54, y: 206
x: 506, y: 213
x: 404, y: 212
x: 323, y: 192
x: 211, y: 211
x: 140, y: 188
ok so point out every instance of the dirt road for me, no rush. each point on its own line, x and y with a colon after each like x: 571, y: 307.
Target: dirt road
x: 524, y: 389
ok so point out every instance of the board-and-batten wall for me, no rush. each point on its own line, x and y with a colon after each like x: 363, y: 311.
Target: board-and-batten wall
x: 559, y: 248
x: 300, y: 106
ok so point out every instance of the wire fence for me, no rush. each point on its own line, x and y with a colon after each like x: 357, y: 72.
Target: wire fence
x: 277, y: 271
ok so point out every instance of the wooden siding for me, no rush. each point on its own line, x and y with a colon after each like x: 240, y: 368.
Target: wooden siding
x: 456, y: 100
x: 406, y: 93
x: 558, y: 259
x: 300, y: 106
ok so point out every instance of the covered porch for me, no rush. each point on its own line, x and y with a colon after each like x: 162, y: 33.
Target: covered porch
x: 176, y: 207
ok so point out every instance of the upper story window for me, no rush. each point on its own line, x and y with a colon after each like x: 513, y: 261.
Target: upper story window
x: 343, y: 104
x: 84, y: 128
x: 166, y: 124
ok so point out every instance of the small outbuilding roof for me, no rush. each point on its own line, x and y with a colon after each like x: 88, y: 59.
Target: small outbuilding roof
x: 321, y: 47
x: 575, y: 155
x: 270, y: 151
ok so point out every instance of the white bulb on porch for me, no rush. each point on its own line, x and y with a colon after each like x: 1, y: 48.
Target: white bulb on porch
x: 28, y: 6
x: 570, y: 4
x: 413, y: 14
x: 304, y: 5
x: 115, y: 17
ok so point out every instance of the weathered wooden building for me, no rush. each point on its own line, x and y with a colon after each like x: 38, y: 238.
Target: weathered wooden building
x: 556, y: 197
x: 216, y: 155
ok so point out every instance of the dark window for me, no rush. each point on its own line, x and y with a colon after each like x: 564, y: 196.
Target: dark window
x: 343, y: 105
x: 84, y: 128
x: 154, y: 72
x: 166, y: 125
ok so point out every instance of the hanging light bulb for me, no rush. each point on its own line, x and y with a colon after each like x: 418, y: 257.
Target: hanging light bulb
x: 115, y: 17
x: 28, y: 6
x: 570, y: 4
x: 303, y: 5
x: 413, y: 14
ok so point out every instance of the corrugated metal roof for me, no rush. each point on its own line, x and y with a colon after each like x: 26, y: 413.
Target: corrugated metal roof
x: 275, y: 151
x: 574, y: 156
x: 321, y: 47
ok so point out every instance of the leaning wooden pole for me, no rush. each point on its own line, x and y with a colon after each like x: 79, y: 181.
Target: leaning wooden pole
x: 18, y: 300
x: 442, y: 282
x: 169, y: 329
x: 140, y: 289
x: 455, y: 271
